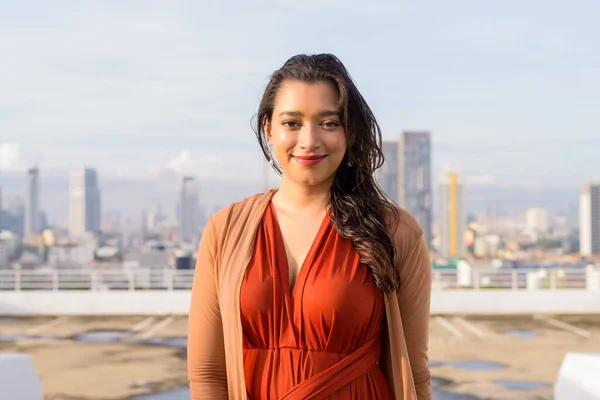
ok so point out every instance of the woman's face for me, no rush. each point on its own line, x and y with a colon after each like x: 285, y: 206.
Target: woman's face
x: 306, y: 133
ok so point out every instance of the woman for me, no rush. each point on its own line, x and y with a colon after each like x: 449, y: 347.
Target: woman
x: 320, y: 289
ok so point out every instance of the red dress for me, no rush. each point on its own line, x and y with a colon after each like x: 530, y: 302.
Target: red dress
x: 323, y: 339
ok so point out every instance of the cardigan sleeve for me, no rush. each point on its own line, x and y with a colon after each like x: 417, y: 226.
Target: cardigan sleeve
x: 206, y: 351
x: 414, y: 301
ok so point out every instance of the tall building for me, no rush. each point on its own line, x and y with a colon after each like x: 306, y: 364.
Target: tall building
x: 189, y: 210
x: 406, y: 176
x: 32, y: 202
x: 589, y: 219
x: 84, y: 202
x: 452, y: 215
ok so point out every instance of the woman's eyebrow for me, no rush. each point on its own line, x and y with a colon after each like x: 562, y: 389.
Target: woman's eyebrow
x: 323, y: 113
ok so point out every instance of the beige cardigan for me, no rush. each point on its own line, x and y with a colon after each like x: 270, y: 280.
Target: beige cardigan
x: 215, y: 355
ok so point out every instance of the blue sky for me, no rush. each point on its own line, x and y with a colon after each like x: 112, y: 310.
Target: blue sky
x: 510, y: 90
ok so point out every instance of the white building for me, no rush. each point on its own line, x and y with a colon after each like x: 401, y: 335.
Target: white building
x: 486, y: 246
x: 537, y: 220
x: 79, y: 252
x: 150, y: 219
x: 8, y: 246
x: 4, y: 255
x: 589, y: 219
x: 537, y: 223
x: 84, y: 202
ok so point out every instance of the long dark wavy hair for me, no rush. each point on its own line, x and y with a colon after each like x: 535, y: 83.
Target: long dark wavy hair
x: 359, y: 209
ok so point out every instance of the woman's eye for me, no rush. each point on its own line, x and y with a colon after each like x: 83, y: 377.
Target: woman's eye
x: 291, y: 124
x: 331, y: 124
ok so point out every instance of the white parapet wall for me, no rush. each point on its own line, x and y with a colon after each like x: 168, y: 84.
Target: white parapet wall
x: 18, y: 379
x: 76, y: 302
x: 578, y: 377
x: 498, y: 302
x: 485, y: 302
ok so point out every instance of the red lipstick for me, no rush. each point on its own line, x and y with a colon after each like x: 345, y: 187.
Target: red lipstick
x: 308, y: 160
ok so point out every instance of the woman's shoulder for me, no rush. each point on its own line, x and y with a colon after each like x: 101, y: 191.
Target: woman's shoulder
x: 239, y: 210
x: 405, y: 230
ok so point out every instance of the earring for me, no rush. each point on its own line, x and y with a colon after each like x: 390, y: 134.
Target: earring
x: 350, y: 163
x: 271, y: 162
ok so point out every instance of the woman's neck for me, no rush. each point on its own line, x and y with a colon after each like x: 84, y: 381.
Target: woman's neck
x: 297, y: 198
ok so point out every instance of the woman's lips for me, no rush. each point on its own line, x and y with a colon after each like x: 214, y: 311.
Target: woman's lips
x: 308, y: 160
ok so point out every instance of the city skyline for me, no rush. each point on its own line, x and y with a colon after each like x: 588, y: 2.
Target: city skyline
x: 509, y: 89
x: 129, y: 196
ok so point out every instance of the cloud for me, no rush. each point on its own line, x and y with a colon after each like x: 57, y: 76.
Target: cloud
x: 202, y: 167
x: 11, y: 157
x: 183, y: 164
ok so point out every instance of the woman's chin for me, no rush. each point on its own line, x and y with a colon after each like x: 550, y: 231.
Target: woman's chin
x: 311, y: 179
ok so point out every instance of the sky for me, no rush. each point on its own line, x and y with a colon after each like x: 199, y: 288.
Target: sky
x: 509, y: 90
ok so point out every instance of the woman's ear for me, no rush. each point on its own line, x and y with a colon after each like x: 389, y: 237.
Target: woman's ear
x: 267, y: 130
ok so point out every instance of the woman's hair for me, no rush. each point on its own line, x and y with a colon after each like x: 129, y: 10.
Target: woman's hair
x: 359, y: 208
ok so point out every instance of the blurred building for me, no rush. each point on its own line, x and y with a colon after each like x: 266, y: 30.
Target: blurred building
x: 84, y: 206
x: 79, y: 252
x: 32, y: 203
x: 537, y: 220
x: 181, y: 259
x: 452, y: 215
x: 405, y: 176
x: 486, y: 246
x: 150, y: 218
x: 589, y: 219
x: 3, y: 254
x: 8, y: 246
x: 190, y: 207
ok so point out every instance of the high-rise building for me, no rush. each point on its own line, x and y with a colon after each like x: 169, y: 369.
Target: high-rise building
x: 388, y: 176
x: 589, y: 219
x: 452, y: 222
x: 32, y: 202
x: 3, y: 253
x: 189, y: 210
x: 84, y: 206
x: 406, y: 176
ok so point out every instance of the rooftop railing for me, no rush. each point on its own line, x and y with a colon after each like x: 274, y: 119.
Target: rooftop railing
x: 171, y: 279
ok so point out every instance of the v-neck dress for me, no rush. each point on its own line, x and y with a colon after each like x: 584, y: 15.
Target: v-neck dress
x: 321, y: 340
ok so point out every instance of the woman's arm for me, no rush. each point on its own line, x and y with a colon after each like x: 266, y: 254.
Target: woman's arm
x: 206, y: 352
x: 414, y: 301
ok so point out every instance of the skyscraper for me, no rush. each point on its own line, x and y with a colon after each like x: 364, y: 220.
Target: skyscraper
x: 452, y: 215
x: 189, y: 209
x: 84, y: 206
x: 589, y: 219
x: 388, y: 176
x: 32, y: 202
x: 406, y: 175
